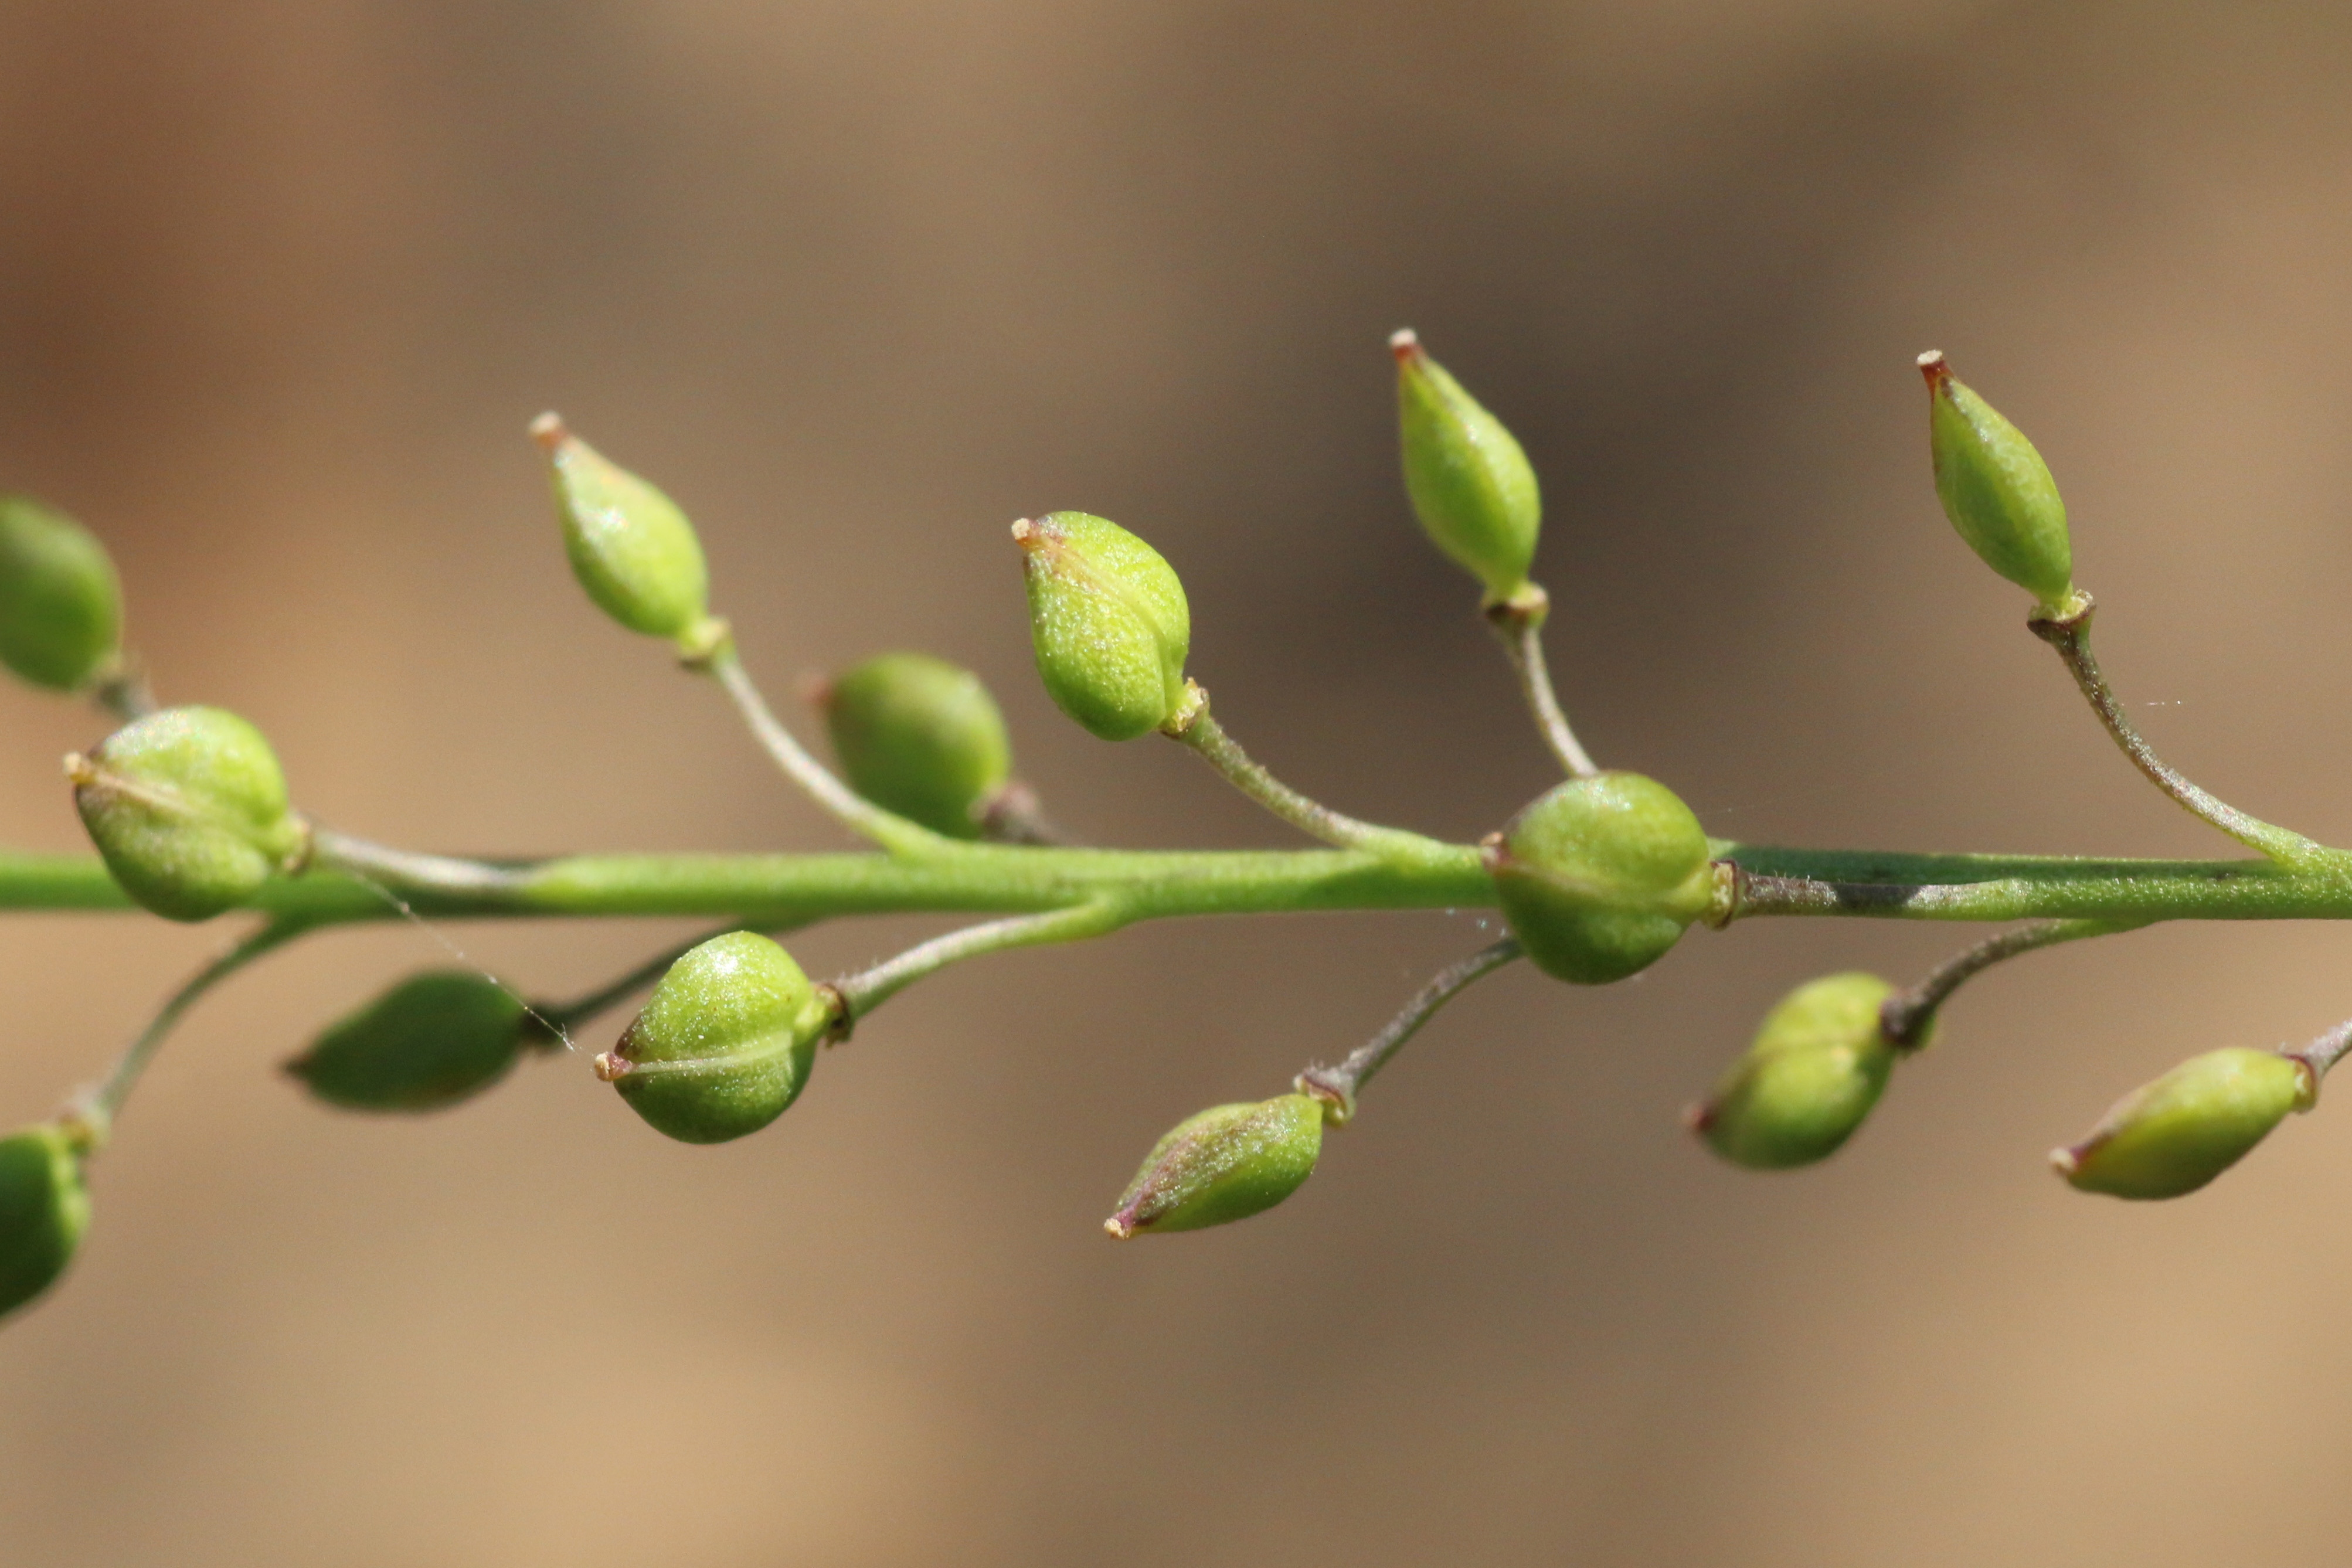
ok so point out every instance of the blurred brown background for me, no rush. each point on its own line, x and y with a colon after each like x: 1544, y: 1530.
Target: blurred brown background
x: 280, y: 284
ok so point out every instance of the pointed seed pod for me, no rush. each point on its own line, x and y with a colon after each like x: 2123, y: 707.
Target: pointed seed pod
x: 1469, y: 482
x: 919, y: 737
x: 1108, y: 621
x: 60, y: 605
x: 630, y: 546
x: 725, y: 1043
x: 1997, y: 490
x: 431, y: 1041
x: 188, y: 808
x: 1225, y: 1163
x: 2172, y: 1136
x: 1601, y: 875
x: 1816, y: 1066
x: 44, y: 1209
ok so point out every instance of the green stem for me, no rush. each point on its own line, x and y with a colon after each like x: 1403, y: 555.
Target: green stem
x: 1337, y: 1087
x: 1906, y: 1015
x: 110, y: 1096
x: 853, y: 811
x: 1518, y: 622
x: 863, y: 992
x: 2071, y: 636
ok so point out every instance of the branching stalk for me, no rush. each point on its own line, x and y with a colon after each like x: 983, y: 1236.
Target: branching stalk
x: 1905, y: 1016
x: 863, y: 992
x: 2071, y: 636
x: 1519, y: 623
x: 1338, y: 1086
x: 108, y: 1099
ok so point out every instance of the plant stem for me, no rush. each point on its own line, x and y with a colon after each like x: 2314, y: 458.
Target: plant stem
x: 887, y: 829
x: 1205, y: 735
x: 405, y: 870
x: 863, y: 992
x: 1904, y: 1017
x: 1337, y: 1087
x: 108, y: 1098
x: 2326, y: 1051
x: 2071, y: 636
x: 1518, y: 622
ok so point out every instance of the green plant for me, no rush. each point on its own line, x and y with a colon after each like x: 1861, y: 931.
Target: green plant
x: 1597, y: 878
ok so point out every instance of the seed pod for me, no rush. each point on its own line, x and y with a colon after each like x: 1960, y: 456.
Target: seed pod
x: 1108, y: 621
x: 60, y: 605
x: 189, y: 809
x: 1470, y: 484
x: 1600, y: 876
x: 431, y: 1041
x: 44, y: 1209
x: 1816, y: 1068
x: 2172, y: 1136
x: 725, y: 1044
x: 1997, y: 490
x: 921, y: 737
x: 1225, y: 1163
x: 631, y: 548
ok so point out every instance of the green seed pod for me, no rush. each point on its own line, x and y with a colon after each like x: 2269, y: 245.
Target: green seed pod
x: 189, y: 809
x: 60, y: 605
x: 431, y: 1041
x: 44, y: 1209
x: 725, y: 1044
x: 1225, y: 1163
x: 1997, y: 490
x: 1108, y: 621
x: 2172, y: 1136
x: 921, y: 737
x: 1600, y: 876
x: 1816, y: 1068
x: 631, y: 548
x: 1469, y: 482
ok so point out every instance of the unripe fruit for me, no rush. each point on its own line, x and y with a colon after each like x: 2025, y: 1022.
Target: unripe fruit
x: 431, y: 1041
x: 44, y: 1209
x: 60, y: 605
x: 1816, y: 1066
x: 1108, y: 621
x: 1470, y: 484
x: 188, y: 808
x: 630, y: 546
x: 1997, y: 490
x: 1225, y: 1163
x: 725, y: 1043
x: 1600, y: 876
x: 2172, y: 1136
x: 919, y: 737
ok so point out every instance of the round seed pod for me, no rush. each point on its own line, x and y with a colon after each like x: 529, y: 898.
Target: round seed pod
x: 919, y: 737
x: 1225, y: 1163
x: 430, y: 1042
x: 1997, y: 490
x: 1108, y: 621
x: 44, y: 1209
x: 1470, y: 484
x: 188, y: 808
x: 1601, y: 875
x: 60, y: 604
x: 2172, y: 1136
x: 725, y: 1044
x: 630, y: 546
x: 1818, y: 1064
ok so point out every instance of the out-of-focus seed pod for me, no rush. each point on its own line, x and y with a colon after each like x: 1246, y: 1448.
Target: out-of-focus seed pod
x: 433, y: 1039
x: 60, y: 604
x: 1108, y: 621
x: 1225, y: 1163
x: 919, y: 737
x: 725, y: 1043
x: 631, y: 547
x: 2177, y: 1134
x: 44, y: 1209
x: 1818, y: 1064
x: 1997, y: 490
x: 188, y: 808
x: 1470, y: 484
x: 1601, y: 875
